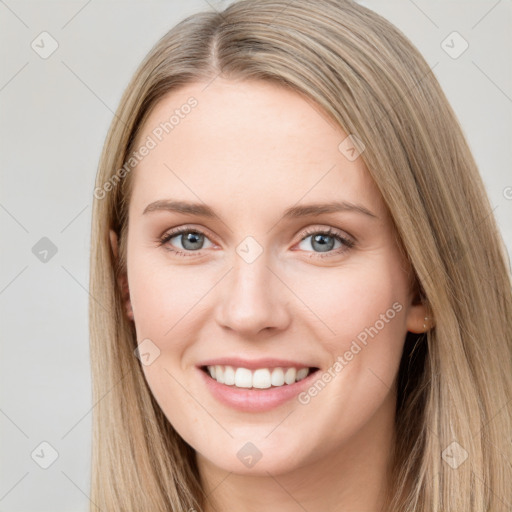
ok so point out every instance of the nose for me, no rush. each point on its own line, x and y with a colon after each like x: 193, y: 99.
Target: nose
x: 253, y: 299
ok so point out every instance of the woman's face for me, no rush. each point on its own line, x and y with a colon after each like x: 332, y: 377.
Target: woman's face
x: 257, y: 284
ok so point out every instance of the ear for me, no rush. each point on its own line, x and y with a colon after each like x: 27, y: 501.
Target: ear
x: 122, y: 280
x: 419, y: 319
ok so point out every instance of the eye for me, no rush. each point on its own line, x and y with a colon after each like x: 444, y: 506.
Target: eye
x: 188, y: 240
x: 324, y: 241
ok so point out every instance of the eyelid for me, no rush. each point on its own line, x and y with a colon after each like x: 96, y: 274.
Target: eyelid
x: 170, y: 233
x: 332, y: 231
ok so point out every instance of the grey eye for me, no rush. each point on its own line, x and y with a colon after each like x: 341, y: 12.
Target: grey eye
x: 189, y: 240
x: 321, y: 242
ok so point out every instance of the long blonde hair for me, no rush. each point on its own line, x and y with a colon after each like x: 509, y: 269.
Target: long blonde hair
x: 455, y: 382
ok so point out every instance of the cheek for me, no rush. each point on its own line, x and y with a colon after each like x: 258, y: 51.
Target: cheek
x: 362, y: 309
x: 363, y: 314
x: 356, y: 301
x: 166, y: 301
x: 162, y: 297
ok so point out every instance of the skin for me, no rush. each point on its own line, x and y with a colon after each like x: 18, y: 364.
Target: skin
x: 250, y: 150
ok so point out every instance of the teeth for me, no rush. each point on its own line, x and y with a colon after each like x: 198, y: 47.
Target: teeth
x: 289, y: 375
x: 262, y: 378
x: 219, y: 374
x: 243, y: 378
x: 277, y: 378
x: 302, y: 373
x: 229, y: 375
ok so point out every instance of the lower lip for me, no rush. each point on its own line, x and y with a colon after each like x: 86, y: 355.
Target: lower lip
x: 255, y: 400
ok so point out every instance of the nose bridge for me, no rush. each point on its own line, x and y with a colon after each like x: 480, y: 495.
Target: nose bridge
x: 252, y: 300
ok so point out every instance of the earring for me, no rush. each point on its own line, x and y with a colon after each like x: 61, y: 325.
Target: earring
x: 425, y: 323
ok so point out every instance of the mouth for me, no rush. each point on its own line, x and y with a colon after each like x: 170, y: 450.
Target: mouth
x: 257, y: 379
x: 258, y: 389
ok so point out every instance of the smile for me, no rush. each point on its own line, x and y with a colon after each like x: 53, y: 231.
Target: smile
x: 260, y: 378
x: 256, y: 390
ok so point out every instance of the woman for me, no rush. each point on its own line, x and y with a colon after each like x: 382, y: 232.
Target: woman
x: 299, y: 296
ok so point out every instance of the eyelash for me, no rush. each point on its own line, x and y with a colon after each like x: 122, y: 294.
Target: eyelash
x: 348, y: 244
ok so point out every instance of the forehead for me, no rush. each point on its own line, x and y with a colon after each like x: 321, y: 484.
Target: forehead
x: 251, y: 143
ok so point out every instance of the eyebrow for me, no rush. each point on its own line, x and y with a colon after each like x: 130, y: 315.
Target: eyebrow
x: 308, y: 210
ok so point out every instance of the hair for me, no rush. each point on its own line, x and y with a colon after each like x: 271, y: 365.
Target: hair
x: 454, y: 382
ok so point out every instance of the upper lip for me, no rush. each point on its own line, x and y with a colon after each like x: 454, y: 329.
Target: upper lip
x: 254, y: 364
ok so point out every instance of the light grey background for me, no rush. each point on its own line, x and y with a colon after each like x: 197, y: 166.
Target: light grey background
x: 55, y: 114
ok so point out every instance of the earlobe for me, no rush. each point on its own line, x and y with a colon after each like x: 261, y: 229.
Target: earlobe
x: 122, y: 280
x: 113, y: 243
x: 419, y: 319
